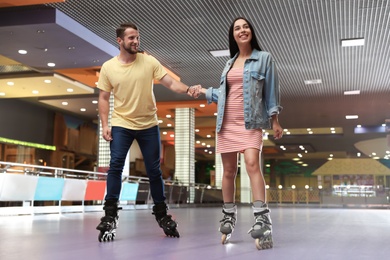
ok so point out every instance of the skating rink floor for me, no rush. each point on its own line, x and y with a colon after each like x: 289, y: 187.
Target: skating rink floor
x: 311, y: 233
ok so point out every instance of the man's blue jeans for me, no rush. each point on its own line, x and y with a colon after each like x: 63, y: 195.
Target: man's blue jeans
x: 149, y: 143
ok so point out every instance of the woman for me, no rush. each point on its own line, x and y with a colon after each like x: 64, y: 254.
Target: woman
x: 248, y: 101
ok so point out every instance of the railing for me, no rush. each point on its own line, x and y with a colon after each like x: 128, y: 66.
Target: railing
x: 31, y: 189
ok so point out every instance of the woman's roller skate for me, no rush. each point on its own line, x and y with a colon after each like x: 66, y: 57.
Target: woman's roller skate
x: 227, y: 223
x: 109, y: 222
x: 261, y: 231
x: 165, y: 221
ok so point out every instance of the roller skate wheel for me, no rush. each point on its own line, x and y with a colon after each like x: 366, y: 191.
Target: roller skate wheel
x: 261, y: 244
x: 225, y: 238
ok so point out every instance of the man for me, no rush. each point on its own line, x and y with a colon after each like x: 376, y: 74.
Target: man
x: 129, y: 76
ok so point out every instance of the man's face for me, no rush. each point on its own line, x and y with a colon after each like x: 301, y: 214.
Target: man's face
x: 130, y: 41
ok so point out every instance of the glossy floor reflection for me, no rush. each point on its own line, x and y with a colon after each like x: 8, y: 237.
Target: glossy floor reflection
x: 299, y: 233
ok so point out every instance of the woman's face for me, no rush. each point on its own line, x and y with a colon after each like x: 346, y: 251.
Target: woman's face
x: 241, y: 32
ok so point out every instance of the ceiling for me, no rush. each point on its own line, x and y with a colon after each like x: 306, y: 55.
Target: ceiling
x: 303, y: 36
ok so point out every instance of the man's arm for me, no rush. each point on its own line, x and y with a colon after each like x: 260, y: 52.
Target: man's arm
x: 104, y: 109
x: 179, y: 87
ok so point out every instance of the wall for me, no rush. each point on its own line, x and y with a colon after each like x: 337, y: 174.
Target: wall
x: 21, y: 120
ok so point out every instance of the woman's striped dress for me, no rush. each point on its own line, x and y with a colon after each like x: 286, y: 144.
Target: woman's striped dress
x: 233, y: 136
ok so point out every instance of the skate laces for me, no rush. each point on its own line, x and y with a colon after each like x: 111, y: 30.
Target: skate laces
x: 261, y: 220
x: 228, y: 218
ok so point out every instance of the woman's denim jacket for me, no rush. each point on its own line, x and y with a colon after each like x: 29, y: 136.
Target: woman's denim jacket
x: 261, y: 91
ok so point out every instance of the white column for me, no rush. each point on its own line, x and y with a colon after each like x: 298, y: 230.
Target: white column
x: 218, y: 170
x: 185, y: 148
x: 104, y: 146
x: 245, y: 189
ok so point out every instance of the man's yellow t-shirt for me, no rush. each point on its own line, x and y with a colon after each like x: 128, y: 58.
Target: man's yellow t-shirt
x: 132, y: 87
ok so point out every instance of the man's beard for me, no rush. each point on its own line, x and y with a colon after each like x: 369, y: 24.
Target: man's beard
x: 131, y: 50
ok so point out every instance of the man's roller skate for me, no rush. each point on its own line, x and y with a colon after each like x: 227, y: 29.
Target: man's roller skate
x: 227, y: 223
x: 109, y: 222
x: 165, y: 221
x: 261, y: 230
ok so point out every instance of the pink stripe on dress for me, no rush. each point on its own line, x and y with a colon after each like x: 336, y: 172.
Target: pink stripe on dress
x: 233, y: 136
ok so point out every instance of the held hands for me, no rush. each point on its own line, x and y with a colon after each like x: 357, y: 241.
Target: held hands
x: 194, y: 91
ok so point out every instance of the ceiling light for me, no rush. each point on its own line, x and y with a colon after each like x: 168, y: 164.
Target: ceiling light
x: 35, y: 92
x: 208, y: 136
x: 64, y: 103
x: 168, y: 116
x: 69, y: 90
x: 352, y: 92
x: 94, y: 101
x: 313, y: 81
x: 202, y: 105
x: 83, y: 109
x: 2, y: 94
x: 351, y: 117
x: 47, y: 81
x: 22, y: 51
x: 169, y: 125
x: 164, y: 133
x: 51, y: 64
x: 197, y: 130
x: 358, y: 154
x: 160, y: 121
x: 10, y: 83
x: 220, y: 53
x: 358, y: 126
x: 172, y: 135
x: 352, y: 42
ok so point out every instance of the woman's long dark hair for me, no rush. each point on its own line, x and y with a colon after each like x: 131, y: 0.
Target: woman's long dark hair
x: 233, y: 47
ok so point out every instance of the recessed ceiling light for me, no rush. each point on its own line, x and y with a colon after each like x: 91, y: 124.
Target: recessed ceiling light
x: 169, y: 125
x: 164, y: 133
x: 352, y: 92
x: 313, y: 81
x: 352, y: 42
x: 94, y: 101
x: 10, y: 83
x: 351, y: 117
x: 47, y: 81
x: 51, y: 64
x: 220, y: 53
x: 69, y: 90
x: 358, y: 126
x: 83, y: 109
x: 35, y: 92
x: 64, y: 103
x: 168, y: 116
x: 2, y: 94
x: 22, y: 51
x: 202, y: 105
